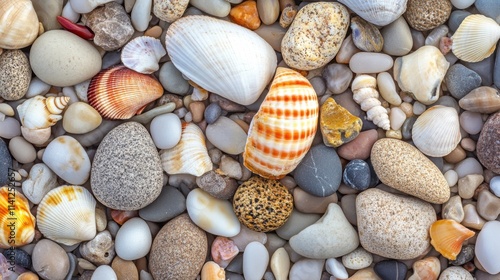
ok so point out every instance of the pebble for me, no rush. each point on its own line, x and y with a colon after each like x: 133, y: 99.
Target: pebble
x: 365, y: 273
x: 314, y: 23
x: 21, y: 150
x: 495, y: 185
x: 15, y: 74
x: 169, y: 10
x: 397, y: 117
x: 390, y: 270
x: 217, y: 135
x: 141, y: 14
x: 133, y: 240
x: 393, y: 226
x: 466, y: 255
x: 268, y: 10
x: 489, y: 155
x: 280, y: 264
x: 171, y: 79
x: 488, y: 205
x: 360, y: 147
x: 54, y: 267
x: 456, y: 18
x: 217, y: 185
x: 338, y: 126
x: 272, y: 34
x: 246, y: 236
x: 80, y: 118
x: 20, y: 257
x: 496, y: 71
x: 435, y: 36
x: 467, y: 185
x: 357, y: 175
x: 39, y: 182
x: 484, y: 68
x: 487, y: 246
x: 319, y: 85
x: 320, y: 171
x: 126, y: 161
x: 367, y: 62
x: 255, y: 261
x: 468, y: 166
x: 179, y: 250
x: 166, y: 130
x: 357, y: 259
x: 453, y: 209
x: 5, y: 163
x: 246, y: 15
x: 366, y: 36
x: 297, y: 221
x: 100, y: 250
x: 217, y: 8
x: 488, y: 8
x: 462, y: 4
x: 212, y: 113
x: 336, y: 268
x: 455, y: 273
x: 425, y: 15
x: 346, y: 51
x: 461, y: 80
x: 397, y: 38
x: 330, y: 237
x: 308, y: 203
x: 306, y: 269
x: 403, y: 167
x: 468, y: 144
x: 338, y: 77
x: 223, y: 251
x: 125, y: 269
x: 472, y: 218
x: 167, y: 206
x: 104, y: 272
x: 387, y: 88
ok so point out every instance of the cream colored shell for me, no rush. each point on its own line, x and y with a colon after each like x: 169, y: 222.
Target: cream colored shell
x: 364, y: 92
x: 40, y: 112
x: 143, y: 54
x: 18, y: 224
x: 18, y: 25
x: 379, y: 12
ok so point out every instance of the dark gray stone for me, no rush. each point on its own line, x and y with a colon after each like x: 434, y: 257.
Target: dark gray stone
x: 460, y: 80
x: 20, y: 257
x: 448, y: 101
x: 489, y: 8
x: 357, y: 175
x: 5, y: 163
x: 456, y: 17
x: 465, y: 255
x: 320, y: 171
x: 407, y: 126
x: 167, y: 206
x: 484, y: 68
x: 390, y: 270
x: 496, y: 70
x: 212, y: 113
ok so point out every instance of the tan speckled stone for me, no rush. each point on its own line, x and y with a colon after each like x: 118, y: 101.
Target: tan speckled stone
x: 425, y: 15
x: 315, y: 35
x: 15, y: 74
x: 393, y: 226
x: 403, y: 167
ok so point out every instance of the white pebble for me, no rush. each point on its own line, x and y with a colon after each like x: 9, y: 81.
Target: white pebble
x: 37, y: 87
x: 218, y: 8
x: 367, y: 62
x: 255, y: 261
x: 81, y: 90
x: 462, y: 4
x: 104, y: 272
x: 141, y: 14
x: 218, y: 131
x: 418, y: 108
x: 10, y: 128
x: 495, y: 185
x: 455, y: 273
x: 166, y: 130
x: 397, y: 118
x: 86, y: 6
x: 41, y: 180
x: 69, y: 13
x: 471, y: 122
x: 468, y: 166
x: 451, y: 177
x: 133, y: 240
x: 280, y: 264
x: 307, y: 269
x: 488, y: 246
x: 357, y: 259
x: 387, y: 88
x: 336, y: 268
x: 7, y: 110
x: 21, y: 150
x: 81, y: 118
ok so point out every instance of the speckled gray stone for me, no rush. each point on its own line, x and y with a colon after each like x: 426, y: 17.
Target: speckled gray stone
x: 460, y: 80
x: 167, y: 206
x: 5, y: 163
x: 393, y: 226
x: 487, y: 153
x: 15, y: 74
x: 126, y: 172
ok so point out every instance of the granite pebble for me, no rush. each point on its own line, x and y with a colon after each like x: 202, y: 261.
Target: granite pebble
x: 455, y: 273
x: 488, y: 154
x: 15, y: 74
x: 460, y: 80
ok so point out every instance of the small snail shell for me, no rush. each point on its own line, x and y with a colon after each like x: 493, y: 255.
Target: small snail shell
x: 364, y: 89
x: 41, y: 112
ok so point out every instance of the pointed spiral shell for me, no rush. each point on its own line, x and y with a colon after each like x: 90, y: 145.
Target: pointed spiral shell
x: 364, y: 90
x: 41, y: 112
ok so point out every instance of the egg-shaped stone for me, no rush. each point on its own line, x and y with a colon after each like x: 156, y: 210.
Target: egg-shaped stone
x: 15, y: 74
x: 81, y: 118
x: 166, y: 130
x: 133, y: 240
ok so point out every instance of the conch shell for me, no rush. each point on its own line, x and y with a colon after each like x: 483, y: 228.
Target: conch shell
x: 18, y: 225
x: 40, y: 112
x: 19, y: 25
x: 447, y: 237
x: 364, y: 92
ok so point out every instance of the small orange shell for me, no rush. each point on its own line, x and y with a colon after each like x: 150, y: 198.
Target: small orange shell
x: 18, y: 224
x: 282, y: 131
x: 121, y: 93
x: 447, y: 237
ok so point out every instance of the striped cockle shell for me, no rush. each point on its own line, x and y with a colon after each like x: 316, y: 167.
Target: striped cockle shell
x: 66, y: 215
x: 18, y: 224
x: 282, y: 131
x: 379, y: 12
x: 41, y: 112
x: 121, y: 93
x: 19, y: 25
x: 143, y: 54
x: 190, y: 155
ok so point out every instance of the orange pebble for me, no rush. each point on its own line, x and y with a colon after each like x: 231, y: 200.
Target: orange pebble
x: 120, y: 217
x: 246, y: 15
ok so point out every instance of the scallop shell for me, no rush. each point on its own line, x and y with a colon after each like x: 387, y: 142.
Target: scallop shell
x: 437, y: 131
x: 212, y: 271
x: 484, y: 100
x: 379, y: 12
x: 475, y: 38
x: 190, y: 155
x: 221, y: 57
x: 121, y: 93
x: 143, y: 54
x: 66, y: 215
x: 282, y: 131
x: 40, y: 112
x: 364, y: 92
x: 447, y: 237
x: 18, y: 225
x: 19, y: 25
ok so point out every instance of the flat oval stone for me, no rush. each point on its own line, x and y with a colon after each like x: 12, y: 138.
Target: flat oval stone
x: 255, y: 261
x: 5, y: 163
x: 81, y: 118
x: 390, y: 270
x: 133, y: 240
x: 403, y: 167
x: 397, y: 38
x: 367, y: 62
x: 487, y: 153
x: 488, y: 246
x: 15, y: 74
x: 166, y: 130
x: 218, y: 131
x: 168, y: 205
x: 54, y: 267
x: 357, y: 175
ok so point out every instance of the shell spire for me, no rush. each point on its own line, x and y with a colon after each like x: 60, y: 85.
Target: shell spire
x: 364, y: 91
x: 56, y: 104
x: 40, y: 112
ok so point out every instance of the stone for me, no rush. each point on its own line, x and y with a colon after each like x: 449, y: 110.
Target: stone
x: 320, y: 171
x: 172, y: 81
x: 306, y: 269
x: 455, y: 273
x: 488, y: 205
x: 494, y: 185
x: 390, y: 270
x: 357, y: 175
x: 471, y: 122
x: 456, y: 18
x: 218, y: 131
x: 169, y: 10
x: 21, y: 150
x: 465, y: 255
x: 262, y: 205
x: 223, y: 251
x: 308, y: 203
x: 255, y: 261
x: 487, y: 247
x: 280, y: 264
x: 488, y: 8
x: 484, y: 68
x: 315, y: 35
x: 472, y: 218
x: 212, y: 113
x: 100, y: 250
x: 336, y: 268
x: 357, y: 259
x: 425, y: 15
x: 297, y: 221
x: 393, y: 226
x: 246, y: 236
x: 217, y: 8
x: 125, y: 269
x: 246, y: 15
x: 489, y: 155
x: 54, y: 267
x: 15, y: 74
x: 460, y: 80
x: 111, y: 25
x: 39, y: 182
x: 5, y: 163
x: 20, y: 257
x: 401, y: 166
x: 167, y: 206
x: 330, y: 237
x: 126, y: 171
x: 133, y: 239
x: 217, y: 185
x: 104, y: 272
x: 337, y: 125
x: 80, y: 118
x: 360, y: 147
x: 428, y: 268
x: 179, y: 250
x: 166, y: 130
x: 453, y: 209
x: 47, y: 12
x: 397, y: 38
x: 467, y: 185
x: 338, y: 77
x: 368, y: 62
x: 230, y: 167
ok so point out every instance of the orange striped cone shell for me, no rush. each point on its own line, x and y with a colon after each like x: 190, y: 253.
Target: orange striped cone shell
x: 283, y: 129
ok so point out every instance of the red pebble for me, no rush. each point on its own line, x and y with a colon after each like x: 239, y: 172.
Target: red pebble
x: 223, y: 251
x: 81, y: 31
x: 120, y: 217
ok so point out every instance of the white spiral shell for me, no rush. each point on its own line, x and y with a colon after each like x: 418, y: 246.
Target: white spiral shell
x: 41, y: 112
x: 364, y: 92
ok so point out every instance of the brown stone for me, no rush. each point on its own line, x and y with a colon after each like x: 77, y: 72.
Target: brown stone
x: 337, y: 125
x: 308, y: 203
x: 217, y: 185
x: 456, y: 156
x: 125, y: 270
x: 488, y: 205
x: 488, y: 153
x: 425, y: 15
x: 246, y: 15
x: 197, y: 108
x: 360, y: 147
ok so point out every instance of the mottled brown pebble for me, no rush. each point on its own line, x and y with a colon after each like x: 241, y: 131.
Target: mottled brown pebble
x: 15, y: 74
x: 425, y: 15
x: 487, y: 152
x: 125, y: 269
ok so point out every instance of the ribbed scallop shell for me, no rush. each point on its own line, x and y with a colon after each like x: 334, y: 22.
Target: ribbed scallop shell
x: 40, y: 112
x: 190, y: 155
x: 121, y: 93
x: 19, y: 24
x: 437, y: 131
x: 18, y: 225
x: 475, y: 38
x: 66, y: 215
x: 378, y: 12
x: 221, y: 57
x: 447, y: 237
x: 143, y: 54
x: 282, y: 131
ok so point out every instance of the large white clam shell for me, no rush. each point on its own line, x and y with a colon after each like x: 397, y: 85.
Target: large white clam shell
x: 18, y: 25
x: 379, y: 12
x: 39, y: 112
x: 437, y: 131
x: 66, y: 215
x: 221, y: 57
x: 143, y: 54
x: 476, y: 38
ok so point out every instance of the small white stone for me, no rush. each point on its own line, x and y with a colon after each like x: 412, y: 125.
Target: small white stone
x: 336, y: 268
x: 462, y: 4
x: 218, y: 8
x: 133, y: 240
x: 367, y: 62
x: 280, y: 264
x: 397, y: 118
x: 81, y: 118
x: 81, y: 90
x: 387, y: 88
x: 357, y: 259
x: 451, y: 177
x: 86, y: 6
x: 166, y: 130
x: 69, y: 13
x: 10, y: 128
x: 468, y: 166
x: 471, y: 122
x: 104, y: 272
x: 455, y: 273
x: 40, y: 181
x: 230, y: 167
x: 37, y: 87
x: 141, y: 14
x: 488, y: 246
x: 307, y: 269
x: 255, y: 261
x: 22, y: 150
x: 495, y: 185
x: 217, y: 133
x: 418, y: 108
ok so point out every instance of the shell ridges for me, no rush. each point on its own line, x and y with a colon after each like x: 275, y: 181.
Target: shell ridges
x: 380, y: 12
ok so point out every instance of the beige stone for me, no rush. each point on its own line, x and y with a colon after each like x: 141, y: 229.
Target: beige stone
x: 468, y: 185
x: 125, y: 270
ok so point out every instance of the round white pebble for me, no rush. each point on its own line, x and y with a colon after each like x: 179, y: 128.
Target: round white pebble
x: 255, y: 261
x: 462, y: 4
x: 368, y: 62
x: 488, y: 246
x: 336, y: 268
x: 10, y: 128
x: 397, y: 118
x: 495, y: 185
x: 357, y: 259
x: 21, y: 150
x: 104, y: 272
x: 471, y: 122
x: 451, y: 177
x: 418, y: 108
x: 166, y: 130
x: 133, y: 240
x: 387, y: 88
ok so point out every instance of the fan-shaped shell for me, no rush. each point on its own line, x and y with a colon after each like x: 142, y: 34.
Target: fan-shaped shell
x: 437, y: 131
x: 190, y: 155
x: 475, y: 38
x: 40, y: 112
x: 380, y: 12
x: 282, y: 131
x: 221, y: 57
x: 143, y: 54
x: 19, y: 25
x: 66, y: 215
x: 121, y: 93
x: 18, y: 225
x: 447, y: 237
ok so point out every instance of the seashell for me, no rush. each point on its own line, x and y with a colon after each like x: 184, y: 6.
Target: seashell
x: 36, y: 136
x: 380, y: 12
x: 121, y: 93
x: 475, y: 38
x: 420, y: 73
x: 484, y: 100
x: 437, y: 131
x: 19, y: 25
x: 40, y: 181
x: 364, y: 92
x: 18, y: 225
x: 282, y: 131
x: 40, y: 112
x: 143, y: 54
x: 212, y: 271
x: 447, y: 237
x: 221, y: 57
x: 190, y: 155
x: 366, y: 36
x: 66, y: 215
x: 426, y: 269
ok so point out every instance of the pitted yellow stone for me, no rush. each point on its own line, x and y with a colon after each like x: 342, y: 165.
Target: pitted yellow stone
x: 338, y: 126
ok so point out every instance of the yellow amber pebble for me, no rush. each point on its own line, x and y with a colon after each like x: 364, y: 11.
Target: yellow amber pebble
x: 338, y: 126
x: 246, y: 15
